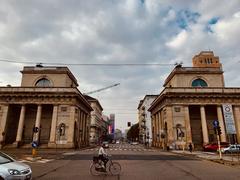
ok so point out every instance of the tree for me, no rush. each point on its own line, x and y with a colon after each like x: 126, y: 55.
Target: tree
x: 133, y: 132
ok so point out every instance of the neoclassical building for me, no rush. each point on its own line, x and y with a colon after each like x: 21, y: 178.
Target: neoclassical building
x: 192, y: 99
x: 47, y: 108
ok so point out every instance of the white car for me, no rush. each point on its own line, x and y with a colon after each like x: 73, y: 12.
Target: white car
x: 134, y: 143
x: 11, y: 169
x: 233, y: 148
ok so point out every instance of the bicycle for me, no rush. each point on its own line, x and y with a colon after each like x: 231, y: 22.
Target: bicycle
x: 96, y: 167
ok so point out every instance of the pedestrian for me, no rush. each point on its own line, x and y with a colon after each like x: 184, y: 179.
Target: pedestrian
x: 190, y: 147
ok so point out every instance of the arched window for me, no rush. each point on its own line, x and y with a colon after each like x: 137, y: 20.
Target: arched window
x: 199, y: 83
x: 43, y: 83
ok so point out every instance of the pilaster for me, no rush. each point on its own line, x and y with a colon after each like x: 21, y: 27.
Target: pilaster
x: 52, y: 140
x: 221, y: 123
x: 3, y: 124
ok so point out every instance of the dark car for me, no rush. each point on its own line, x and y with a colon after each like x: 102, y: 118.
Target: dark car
x: 214, y: 146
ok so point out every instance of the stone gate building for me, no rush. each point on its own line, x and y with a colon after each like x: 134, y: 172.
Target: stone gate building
x: 47, y: 108
x: 192, y: 98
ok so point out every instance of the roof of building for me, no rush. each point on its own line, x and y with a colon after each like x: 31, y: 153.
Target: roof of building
x: 192, y: 70
x: 49, y: 70
x: 91, y: 99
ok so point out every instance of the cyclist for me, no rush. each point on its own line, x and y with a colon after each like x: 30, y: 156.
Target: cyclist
x: 103, y: 156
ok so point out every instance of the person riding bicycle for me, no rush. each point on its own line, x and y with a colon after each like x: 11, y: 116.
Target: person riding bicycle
x: 102, y: 155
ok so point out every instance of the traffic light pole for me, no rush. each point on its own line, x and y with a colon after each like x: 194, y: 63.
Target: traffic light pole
x: 219, y: 147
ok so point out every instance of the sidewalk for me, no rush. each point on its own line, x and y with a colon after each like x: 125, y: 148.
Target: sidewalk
x: 26, y: 153
x: 211, y: 156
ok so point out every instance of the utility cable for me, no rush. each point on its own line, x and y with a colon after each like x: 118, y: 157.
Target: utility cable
x: 88, y: 64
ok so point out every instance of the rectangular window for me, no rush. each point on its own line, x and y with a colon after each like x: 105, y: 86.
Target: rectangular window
x: 63, y: 109
x: 177, y: 109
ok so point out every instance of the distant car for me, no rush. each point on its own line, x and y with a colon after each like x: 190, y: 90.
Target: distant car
x: 214, y: 146
x: 117, y: 142
x: 12, y: 169
x: 233, y: 148
x: 134, y: 143
x: 105, y: 144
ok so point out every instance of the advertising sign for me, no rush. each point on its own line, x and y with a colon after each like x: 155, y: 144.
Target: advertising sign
x: 229, y: 119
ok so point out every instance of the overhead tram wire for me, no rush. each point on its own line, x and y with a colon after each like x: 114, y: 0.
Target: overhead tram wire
x: 88, y: 64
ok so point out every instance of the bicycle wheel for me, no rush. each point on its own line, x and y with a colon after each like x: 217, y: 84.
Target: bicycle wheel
x: 115, y: 168
x: 93, y: 170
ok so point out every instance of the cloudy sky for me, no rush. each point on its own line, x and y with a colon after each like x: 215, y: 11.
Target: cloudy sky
x: 118, y: 31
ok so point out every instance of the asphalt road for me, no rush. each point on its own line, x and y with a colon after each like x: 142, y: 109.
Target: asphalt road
x: 137, y: 163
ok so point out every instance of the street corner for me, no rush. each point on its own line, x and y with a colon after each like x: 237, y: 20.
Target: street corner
x: 37, y: 159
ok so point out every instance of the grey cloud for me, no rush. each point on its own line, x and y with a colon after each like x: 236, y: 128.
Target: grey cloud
x: 104, y: 31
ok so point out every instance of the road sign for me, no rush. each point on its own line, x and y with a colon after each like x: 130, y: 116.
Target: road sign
x: 34, y: 144
x: 215, y: 123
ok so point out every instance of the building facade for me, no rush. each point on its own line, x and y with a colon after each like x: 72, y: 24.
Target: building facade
x: 192, y: 99
x: 47, y: 109
x: 111, y: 125
x: 98, y: 127
x: 144, y: 119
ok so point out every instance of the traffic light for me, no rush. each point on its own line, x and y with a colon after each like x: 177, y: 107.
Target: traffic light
x: 215, y: 130
x: 219, y: 130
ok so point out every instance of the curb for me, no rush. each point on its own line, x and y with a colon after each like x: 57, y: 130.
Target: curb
x: 222, y: 161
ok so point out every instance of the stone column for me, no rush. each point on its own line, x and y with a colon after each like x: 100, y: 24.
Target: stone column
x: 156, y: 121
x: 85, y: 128
x: 155, y: 130
x: 37, y: 123
x: 70, y: 129
x: 170, y: 125
x: 52, y: 140
x: 80, y: 128
x: 188, y: 125
x: 20, y: 125
x: 204, y: 125
x: 3, y: 122
x: 88, y: 127
x: 221, y: 123
x: 159, y: 128
x: 236, y: 113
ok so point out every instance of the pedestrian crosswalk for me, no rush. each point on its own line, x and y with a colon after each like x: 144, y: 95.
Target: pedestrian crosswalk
x: 136, y: 148
x: 35, y: 161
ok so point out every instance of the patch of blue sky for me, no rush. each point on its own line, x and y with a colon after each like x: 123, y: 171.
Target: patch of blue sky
x: 211, y: 22
x: 185, y: 17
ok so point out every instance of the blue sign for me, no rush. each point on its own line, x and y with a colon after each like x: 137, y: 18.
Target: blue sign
x: 215, y: 123
x: 34, y: 144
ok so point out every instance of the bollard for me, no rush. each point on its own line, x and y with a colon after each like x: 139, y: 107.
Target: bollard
x: 34, y: 152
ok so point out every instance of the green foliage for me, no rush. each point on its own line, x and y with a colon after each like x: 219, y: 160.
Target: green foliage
x: 133, y: 132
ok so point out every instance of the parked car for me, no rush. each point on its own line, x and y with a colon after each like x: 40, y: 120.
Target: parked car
x: 12, y: 169
x: 214, y: 146
x: 233, y: 148
x: 105, y: 144
x: 134, y: 143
